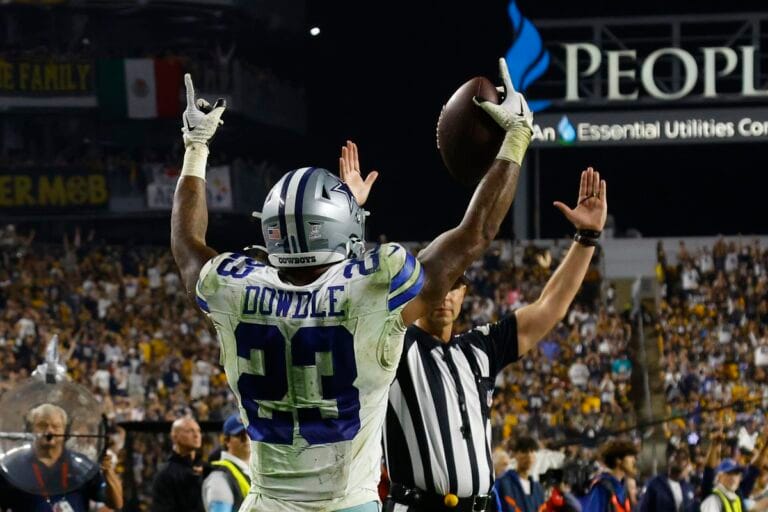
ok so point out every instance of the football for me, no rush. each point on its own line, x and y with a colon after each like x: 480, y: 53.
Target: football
x: 467, y: 137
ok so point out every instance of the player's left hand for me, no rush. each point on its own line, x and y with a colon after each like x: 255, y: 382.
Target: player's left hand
x: 200, y: 119
x: 513, y: 111
x: 349, y: 172
x: 592, y: 206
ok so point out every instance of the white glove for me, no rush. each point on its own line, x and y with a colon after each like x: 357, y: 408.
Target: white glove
x: 200, y: 119
x: 513, y: 115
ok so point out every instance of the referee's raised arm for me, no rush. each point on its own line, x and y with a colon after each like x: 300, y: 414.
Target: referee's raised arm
x: 588, y: 217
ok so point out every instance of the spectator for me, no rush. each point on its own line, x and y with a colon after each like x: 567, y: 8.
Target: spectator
x: 673, y: 491
x: 57, y: 474
x: 178, y: 482
x: 201, y: 379
x: 725, y: 496
x: 608, y: 491
x: 516, y: 490
x: 621, y: 367
x: 690, y: 279
x: 500, y: 460
x: 579, y: 373
x: 723, y: 474
x: 229, y: 481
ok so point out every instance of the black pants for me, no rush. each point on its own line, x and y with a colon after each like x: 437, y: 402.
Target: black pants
x: 392, y: 506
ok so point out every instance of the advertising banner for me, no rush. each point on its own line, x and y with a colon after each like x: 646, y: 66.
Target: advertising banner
x: 218, y: 187
x: 45, y: 190
x: 46, y: 83
x: 651, y: 127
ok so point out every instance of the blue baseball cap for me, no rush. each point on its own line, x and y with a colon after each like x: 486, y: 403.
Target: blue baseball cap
x: 729, y: 466
x: 233, y: 425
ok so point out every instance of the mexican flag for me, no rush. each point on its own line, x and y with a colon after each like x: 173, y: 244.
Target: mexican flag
x: 140, y: 88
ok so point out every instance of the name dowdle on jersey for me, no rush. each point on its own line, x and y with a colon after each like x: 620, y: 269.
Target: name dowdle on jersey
x: 263, y: 300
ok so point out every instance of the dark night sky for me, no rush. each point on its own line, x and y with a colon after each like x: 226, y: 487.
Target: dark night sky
x: 379, y: 74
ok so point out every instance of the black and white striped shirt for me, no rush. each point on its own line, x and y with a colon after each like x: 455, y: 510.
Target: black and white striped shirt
x: 437, y: 432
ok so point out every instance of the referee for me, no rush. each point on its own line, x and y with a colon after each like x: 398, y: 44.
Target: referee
x: 437, y: 433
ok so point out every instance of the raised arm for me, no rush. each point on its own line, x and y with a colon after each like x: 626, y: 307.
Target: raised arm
x: 755, y: 467
x: 760, y: 460
x: 713, y: 459
x: 189, y: 217
x: 538, y: 318
x: 113, y: 492
x: 349, y: 172
x: 448, y: 255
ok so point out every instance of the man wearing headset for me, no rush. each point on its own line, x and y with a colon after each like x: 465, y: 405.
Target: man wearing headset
x: 54, y: 478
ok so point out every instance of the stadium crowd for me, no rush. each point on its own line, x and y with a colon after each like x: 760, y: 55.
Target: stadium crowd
x: 125, y: 327
x: 713, y: 336
x: 130, y: 335
x: 577, y: 384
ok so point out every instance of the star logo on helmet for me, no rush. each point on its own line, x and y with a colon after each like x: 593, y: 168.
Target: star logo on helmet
x: 344, y: 189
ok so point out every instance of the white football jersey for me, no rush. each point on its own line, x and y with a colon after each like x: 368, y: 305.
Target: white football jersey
x: 311, y: 367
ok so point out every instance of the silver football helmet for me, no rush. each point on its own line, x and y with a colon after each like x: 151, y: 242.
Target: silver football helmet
x: 310, y: 218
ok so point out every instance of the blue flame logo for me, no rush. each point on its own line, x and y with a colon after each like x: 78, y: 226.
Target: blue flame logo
x: 566, y: 130
x: 527, y: 59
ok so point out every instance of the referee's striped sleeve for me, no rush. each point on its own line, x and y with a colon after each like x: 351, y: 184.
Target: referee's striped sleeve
x: 407, y: 282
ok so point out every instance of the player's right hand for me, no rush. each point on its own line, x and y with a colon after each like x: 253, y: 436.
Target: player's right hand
x: 514, y: 110
x: 200, y: 119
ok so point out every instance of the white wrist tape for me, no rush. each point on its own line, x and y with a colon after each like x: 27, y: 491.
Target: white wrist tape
x: 515, y: 142
x: 195, y: 160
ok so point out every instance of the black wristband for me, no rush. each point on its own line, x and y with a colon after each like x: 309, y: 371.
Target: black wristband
x: 589, y: 233
x: 586, y: 241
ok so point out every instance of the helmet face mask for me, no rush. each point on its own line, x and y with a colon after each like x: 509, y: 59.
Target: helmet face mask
x: 310, y: 218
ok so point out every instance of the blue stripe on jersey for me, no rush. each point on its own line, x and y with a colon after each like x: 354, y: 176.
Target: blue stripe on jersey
x: 409, y: 293
x: 281, y: 212
x: 303, y: 247
x: 203, y: 305
x: 404, y: 274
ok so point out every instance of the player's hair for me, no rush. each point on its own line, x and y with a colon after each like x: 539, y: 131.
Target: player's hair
x: 462, y: 280
x: 615, y: 450
x: 677, y: 452
x: 43, y: 410
x: 525, y: 444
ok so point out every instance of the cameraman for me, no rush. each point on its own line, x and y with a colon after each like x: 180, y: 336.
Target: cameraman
x: 54, y: 471
x: 558, y: 492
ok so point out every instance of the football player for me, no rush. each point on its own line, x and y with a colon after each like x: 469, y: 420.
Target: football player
x: 311, y: 340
